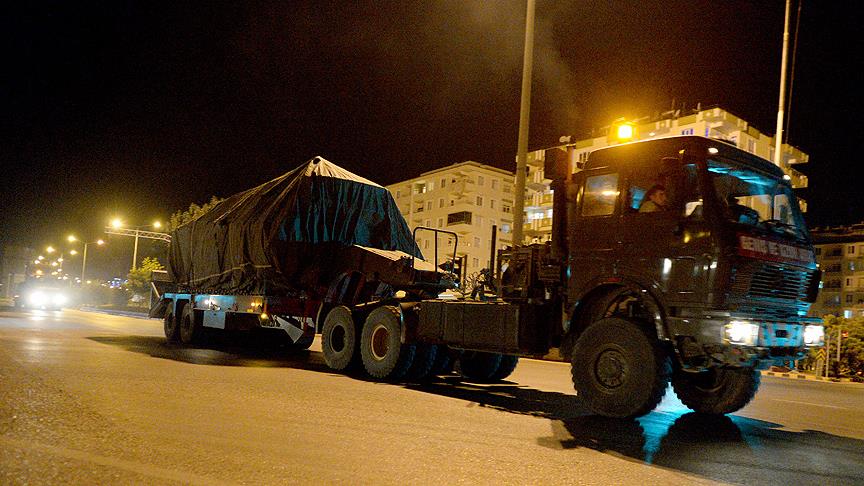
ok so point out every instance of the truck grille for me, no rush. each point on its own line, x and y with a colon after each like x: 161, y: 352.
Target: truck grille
x: 767, y: 288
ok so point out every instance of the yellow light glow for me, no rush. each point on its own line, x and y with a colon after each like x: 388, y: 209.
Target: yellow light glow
x: 100, y: 242
x: 39, y: 272
x: 625, y: 132
x: 36, y: 262
x: 712, y: 150
x: 89, y: 282
x: 609, y: 193
x: 73, y: 252
x: 116, y: 223
x: 41, y: 257
x: 157, y: 224
x: 71, y: 239
x: 53, y: 264
x: 50, y: 249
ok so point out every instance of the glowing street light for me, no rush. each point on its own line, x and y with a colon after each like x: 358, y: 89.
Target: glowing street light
x: 71, y: 239
x: 157, y: 224
x: 99, y: 242
x: 116, y: 223
x: 41, y: 258
x: 50, y: 249
x: 73, y: 252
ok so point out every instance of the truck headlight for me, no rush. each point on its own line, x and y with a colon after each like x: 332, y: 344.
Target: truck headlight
x: 37, y: 298
x: 742, y: 332
x: 814, y: 335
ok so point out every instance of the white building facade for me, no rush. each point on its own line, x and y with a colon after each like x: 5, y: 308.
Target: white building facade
x: 467, y: 198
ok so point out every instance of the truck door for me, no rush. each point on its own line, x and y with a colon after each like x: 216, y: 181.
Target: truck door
x: 594, y: 233
x: 666, y: 243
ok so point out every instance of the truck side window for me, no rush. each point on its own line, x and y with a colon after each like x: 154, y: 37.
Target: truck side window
x: 600, y: 194
x: 690, y: 193
x: 652, y: 185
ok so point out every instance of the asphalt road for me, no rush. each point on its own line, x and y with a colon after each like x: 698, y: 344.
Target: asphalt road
x: 94, y: 398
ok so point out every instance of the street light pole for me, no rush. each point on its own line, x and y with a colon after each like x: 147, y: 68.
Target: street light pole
x: 135, y: 252
x: 524, y: 118
x: 778, y: 142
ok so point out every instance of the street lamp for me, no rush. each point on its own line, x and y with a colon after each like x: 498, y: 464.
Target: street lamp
x: 84, y: 258
x: 117, y: 224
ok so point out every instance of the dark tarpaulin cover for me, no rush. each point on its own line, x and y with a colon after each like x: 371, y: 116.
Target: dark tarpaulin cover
x: 292, y: 233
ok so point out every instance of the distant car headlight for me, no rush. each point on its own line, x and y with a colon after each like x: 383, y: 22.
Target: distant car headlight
x: 37, y: 298
x: 742, y: 332
x: 59, y: 299
x: 814, y: 335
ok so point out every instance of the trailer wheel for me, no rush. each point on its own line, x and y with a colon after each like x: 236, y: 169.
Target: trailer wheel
x: 384, y: 356
x: 506, y: 368
x: 190, y: 328
x: 619, y: 369
x: 479, y: 366
x: 339, y: 339
x: 443, y: 364
x: 424, y: 358
x: 169, y: 325
x: 718, y: 390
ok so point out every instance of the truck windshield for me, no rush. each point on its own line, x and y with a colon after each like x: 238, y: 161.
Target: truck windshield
x: 756, y: 199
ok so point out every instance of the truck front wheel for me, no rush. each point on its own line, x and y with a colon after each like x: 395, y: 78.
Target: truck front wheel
x: 384, y: 356
x: 716, y: 391
x: 339, y: 339
x: 619, y: 369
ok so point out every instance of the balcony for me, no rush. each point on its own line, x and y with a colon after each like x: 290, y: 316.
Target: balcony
x: 542, y: 225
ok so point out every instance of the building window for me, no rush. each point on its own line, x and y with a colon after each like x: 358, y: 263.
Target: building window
x: 480, y: 201
x: 505, y: 208
x: 848, y: 282
x: 834, y: 267
x: 428, y: 205
x: 851, y: 266
x: 426, y: 245
x: 419, y: 208
x: 508, y: 188
x: 441, y: 202
x: 443, y: 183
x: 505, y: 228
x: 494, y: 184
x: 848, y: 298
x: 479, y: 180
x: 475, y: 263
x: 420, y: 188
x: 398, y: 193
x: 492, y: 203
x: 427, y: 223
x: 480, y: 221
x: 476, y: 242
x: 440, y: 222
x: 818, y: 250
x: 751, y: 146
x: 430, y: 186
x: 850, y: 250
x: 462, y: 217
x: 687, y: 131
x: 452, y: 202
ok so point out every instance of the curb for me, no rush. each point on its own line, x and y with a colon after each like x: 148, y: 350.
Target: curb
x: 800, y: 376
x: 139, y: 315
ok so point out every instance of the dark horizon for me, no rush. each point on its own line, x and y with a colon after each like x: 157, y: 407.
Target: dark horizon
x: 138, y: 110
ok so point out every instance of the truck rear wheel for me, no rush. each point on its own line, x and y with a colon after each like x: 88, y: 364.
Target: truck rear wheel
x: 619, y: 370
x: 718, y: 390
x: 384, y: 356
x: 424, y: 358
x: 506, y: 368
x: 479, y: 366
x: 190, y: 328
x: 169, y: 325
x: 443, y: 364
x: 339, y: 339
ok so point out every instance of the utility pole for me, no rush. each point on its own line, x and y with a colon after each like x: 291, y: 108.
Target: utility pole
x: 781, y: 106
x: 524, y: 118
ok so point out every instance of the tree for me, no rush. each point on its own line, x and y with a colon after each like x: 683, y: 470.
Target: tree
x: 139, y: 278
x: 852, y: 344
x: 183, y: 217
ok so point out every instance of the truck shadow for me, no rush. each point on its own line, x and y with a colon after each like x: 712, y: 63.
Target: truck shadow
x: 726, y: 448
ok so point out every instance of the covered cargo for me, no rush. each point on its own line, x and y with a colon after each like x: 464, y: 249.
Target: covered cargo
x: 297, y: 232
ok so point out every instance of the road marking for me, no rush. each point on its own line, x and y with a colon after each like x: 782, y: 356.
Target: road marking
x: 809, y: 403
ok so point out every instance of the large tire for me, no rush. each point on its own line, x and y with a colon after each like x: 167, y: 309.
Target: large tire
x: 302, y: 344
x: 716, y: 391
x: 443, y: 364
x: 479, y: 366
x: 424, y: 358
x: 619, y: 369
x: 169, y: 325
x: 384, y: 356
x: 190, y: 328
x: 339, y: 339
x: 506, y: 368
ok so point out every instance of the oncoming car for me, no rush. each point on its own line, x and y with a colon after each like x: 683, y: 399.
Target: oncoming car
x: 41, y: 297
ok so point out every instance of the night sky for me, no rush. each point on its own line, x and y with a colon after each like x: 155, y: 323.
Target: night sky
x: 137, y: 109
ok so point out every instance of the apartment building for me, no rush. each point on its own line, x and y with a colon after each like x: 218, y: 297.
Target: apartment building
x: 712, y: 122
x: 840, y: 253
x: 467, y: 198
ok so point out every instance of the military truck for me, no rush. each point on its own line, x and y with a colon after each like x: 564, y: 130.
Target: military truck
x: 703, y: 287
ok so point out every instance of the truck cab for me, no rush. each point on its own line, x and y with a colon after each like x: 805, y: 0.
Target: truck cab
x: 698, y: 244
